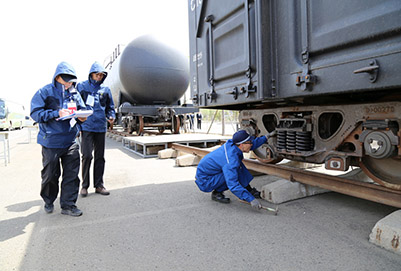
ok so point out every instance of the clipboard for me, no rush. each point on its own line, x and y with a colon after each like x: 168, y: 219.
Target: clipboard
x: 78, y: 114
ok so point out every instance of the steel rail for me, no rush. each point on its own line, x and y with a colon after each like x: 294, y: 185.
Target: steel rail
x: 341, y: 185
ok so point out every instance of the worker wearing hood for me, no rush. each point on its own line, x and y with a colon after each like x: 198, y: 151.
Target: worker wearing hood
x: 47, y: 103
x: 97, y: 98
x: 57, y: 138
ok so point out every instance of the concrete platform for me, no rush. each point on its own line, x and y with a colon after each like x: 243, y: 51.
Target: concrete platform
x: 148, y: 146
x: 387, y: 233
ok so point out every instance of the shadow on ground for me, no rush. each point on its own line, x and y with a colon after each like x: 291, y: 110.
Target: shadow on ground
x: 175, y: 227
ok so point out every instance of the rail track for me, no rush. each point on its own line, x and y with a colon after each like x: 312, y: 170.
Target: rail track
x: 367, y: 191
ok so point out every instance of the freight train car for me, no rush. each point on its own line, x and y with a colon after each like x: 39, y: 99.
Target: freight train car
x: 147, y: 81
x: 324, y: 74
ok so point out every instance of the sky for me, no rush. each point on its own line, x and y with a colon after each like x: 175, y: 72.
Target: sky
x: 35, y: 36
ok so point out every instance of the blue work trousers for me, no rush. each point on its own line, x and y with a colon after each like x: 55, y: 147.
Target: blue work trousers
x: 218, y: 182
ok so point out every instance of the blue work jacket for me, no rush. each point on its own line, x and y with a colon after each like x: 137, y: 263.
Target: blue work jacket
x: 103, y: 105
x: 225, y: 160
x: 45, y: 106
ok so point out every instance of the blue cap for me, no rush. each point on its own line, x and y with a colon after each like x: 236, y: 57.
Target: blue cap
x: 241, y: 136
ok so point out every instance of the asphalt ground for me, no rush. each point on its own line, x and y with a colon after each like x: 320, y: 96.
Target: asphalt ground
x: 157, y: 219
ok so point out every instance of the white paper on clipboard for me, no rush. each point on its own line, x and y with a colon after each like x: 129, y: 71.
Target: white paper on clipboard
x: 78, y: 114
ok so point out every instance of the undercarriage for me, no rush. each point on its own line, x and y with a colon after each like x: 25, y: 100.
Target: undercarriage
x: 362, y: 135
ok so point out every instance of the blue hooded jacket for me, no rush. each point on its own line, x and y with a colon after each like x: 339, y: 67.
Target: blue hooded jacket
x: 103, y: 106
x: 225, y: 160
x: 45, y: 106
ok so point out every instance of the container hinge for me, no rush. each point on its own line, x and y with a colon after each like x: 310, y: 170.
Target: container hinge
x: 306, y: 81
x: 250, y: 88
x: 212, y: 95
x: 234, y: 92
x: 305, y: 56
x: 248, y: 72
x: 211, y: 82
x: 372, y: 70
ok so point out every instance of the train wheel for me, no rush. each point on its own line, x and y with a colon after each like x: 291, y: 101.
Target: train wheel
x: 386, y: 172
x: 128, y: 125
x: 265, y: 154
x: 176, y: 124
x: 139, y: 125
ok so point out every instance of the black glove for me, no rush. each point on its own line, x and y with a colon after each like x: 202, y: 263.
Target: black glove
x: 256, y: 204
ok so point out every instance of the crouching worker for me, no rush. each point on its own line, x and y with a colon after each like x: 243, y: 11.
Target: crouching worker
x: 223, y: 169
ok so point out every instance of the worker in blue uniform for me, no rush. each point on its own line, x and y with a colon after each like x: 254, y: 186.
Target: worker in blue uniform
x: 58, y: 138
x: 98, y: 98
x: 223, y: 169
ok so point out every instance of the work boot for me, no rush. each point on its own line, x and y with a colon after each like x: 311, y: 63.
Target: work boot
x: 253, y: 191
x: 102, y: 191
x: 49, y: 208
x: 84, y: 192
x: 72, y: 211
x: 219, y: 197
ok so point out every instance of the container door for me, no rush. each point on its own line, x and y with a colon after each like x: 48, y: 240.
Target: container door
x: 223, y: 52
x: 339, y: 47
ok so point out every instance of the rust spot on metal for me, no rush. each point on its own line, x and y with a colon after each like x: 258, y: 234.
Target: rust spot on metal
x: 396, y: 241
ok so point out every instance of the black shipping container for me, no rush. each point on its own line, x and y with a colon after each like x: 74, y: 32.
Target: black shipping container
x: 267, y: 53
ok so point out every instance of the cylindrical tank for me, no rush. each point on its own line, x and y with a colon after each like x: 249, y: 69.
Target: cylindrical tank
x: 148, y: 72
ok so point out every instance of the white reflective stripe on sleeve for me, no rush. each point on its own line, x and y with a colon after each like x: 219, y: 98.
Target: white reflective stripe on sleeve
x: 225, y: 151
